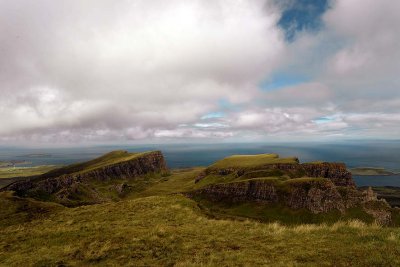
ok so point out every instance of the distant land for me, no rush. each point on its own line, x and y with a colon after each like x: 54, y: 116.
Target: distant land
x: 36, y: 155
x: 12, y: 163
x: 9, y: 175
x: 369, y: 171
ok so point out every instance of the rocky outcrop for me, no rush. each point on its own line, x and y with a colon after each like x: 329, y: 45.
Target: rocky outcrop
x: 337, y: 172
x: 253, y: 190
x: 151, y: 162
x: 316, y: 195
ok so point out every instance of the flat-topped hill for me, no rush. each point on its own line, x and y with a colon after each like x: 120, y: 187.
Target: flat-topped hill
x: 80, y: 183
x: 238, y: 167
x: 251, y: 161
x: 315, y: 187
x: 104, y: 161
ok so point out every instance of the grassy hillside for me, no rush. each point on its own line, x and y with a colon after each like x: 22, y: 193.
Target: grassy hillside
x: 250, y: 161
x: 150, y: 223
x: 9, y: 175
x: 173, y: 231
x: 105, y: 160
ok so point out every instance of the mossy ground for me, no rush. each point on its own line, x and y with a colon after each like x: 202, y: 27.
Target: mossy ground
x: 173, y: 231
x: 269, y: 213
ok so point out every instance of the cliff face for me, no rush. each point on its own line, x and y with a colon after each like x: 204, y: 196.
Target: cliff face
x: 336, y: 172
x: 316, y: 195
x: 318, y: 187
x: 152, y: 162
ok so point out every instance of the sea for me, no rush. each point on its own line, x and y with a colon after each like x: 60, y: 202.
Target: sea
x: 384, y: 154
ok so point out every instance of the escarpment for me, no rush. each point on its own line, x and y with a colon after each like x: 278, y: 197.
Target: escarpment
x: 275, y: 166
x: 314, y: 194
x: 318, y: 187
x: 75, y: 180
x: 336, y: 172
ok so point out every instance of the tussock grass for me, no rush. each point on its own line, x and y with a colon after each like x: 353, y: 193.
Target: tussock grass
x: 173, y: 231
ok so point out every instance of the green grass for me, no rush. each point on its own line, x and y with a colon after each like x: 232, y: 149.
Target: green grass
x: 15, y: 210
x: 11, y: 172
x: 9, y: 175
x: 149, y: 224
x: 105, y: 160
x: 250, y: 161
x: 177, y: 181
x: 269, y: 213
x: 173, y: 231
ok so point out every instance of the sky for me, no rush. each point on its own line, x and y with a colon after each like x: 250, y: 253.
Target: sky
x: 142, y: 71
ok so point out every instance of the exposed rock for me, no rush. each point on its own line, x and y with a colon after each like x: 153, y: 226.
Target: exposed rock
x: 369, y: 195
x: 337, y: 172
x: 63, y: 186
x: 200, y: 177
x: 253, y: 190
x: 316, y: 195
x: 380, y: 210
x: 121, y: 188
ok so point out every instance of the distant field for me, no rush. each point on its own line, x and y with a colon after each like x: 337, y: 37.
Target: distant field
x: 9, y: 175
x: 10, y: 172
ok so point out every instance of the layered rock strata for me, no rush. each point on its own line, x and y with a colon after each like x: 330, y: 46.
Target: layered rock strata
x: 151, y: 162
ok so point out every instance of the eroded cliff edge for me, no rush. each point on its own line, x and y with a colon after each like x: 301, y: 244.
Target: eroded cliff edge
x: 318, y: 187
x: 75, y: 183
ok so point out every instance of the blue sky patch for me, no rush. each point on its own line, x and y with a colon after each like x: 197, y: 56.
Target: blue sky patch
x: 302, y: 15
x: 322, y: 120
x: 281, y: 80
x: 213, y: 115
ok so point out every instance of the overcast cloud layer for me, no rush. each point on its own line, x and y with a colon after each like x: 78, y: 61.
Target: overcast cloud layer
x: 118, y: 71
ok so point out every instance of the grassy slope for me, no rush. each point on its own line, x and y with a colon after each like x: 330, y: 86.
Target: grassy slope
x: 165, y: 229
x: 107, y: 159
x: 10, y: 174
x: 250, y: 161
x: 171, y: 230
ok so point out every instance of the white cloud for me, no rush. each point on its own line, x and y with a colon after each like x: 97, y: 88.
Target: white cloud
x: 146, y: 65
x: 101, y: 71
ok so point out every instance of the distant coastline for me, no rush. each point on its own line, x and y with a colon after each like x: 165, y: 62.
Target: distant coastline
x: 36, y: 155
x: 13, y: 163
x: 371, y: 171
